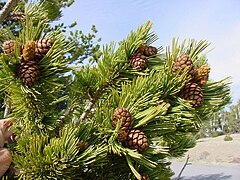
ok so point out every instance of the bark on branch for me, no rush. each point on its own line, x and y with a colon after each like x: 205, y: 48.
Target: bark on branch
x: 11, y: 4
x: 184, y: 166
x: 85, y: 113
x: 8, y: 108
x: 95, y: 96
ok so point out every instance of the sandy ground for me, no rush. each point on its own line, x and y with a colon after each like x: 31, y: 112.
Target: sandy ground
x: 215, y: 151
x: 211, y: 158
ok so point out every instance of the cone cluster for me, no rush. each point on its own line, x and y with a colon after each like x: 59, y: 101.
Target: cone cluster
x: 132, y: 138
x: 139, y: 59
x: 32, y: 52
x: 197, y: 77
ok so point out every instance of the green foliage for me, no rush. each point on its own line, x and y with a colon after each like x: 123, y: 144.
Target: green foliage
x: 42, y: 157
x: 85, y: 46
x: 49, y: 10
x: 228, y: 138
x: 215, y: 134
x: 230, y: 119
x: 79, y: 142
x: 38, y: 101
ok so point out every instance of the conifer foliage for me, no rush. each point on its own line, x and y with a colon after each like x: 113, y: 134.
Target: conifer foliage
x: 124, y: 116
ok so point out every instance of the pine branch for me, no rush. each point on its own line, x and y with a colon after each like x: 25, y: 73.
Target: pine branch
x: 85, y: 112
x: 91, y: 104
x: 106, y: 73
x: 11, y: 4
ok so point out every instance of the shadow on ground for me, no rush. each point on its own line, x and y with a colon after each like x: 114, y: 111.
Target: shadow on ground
x: 207, y: 177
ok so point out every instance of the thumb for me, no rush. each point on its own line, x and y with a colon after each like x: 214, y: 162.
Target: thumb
x: 5, y: 160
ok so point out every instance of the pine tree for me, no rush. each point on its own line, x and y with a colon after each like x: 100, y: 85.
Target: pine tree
x: 119, y: 121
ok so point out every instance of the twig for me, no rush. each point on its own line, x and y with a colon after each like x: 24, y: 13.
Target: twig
x: 7, y: 9
x: 94, y: 99
x: 184, y: 166
x: 7, y: 108
x: 90, y: 105
x: 85, y: 112
x: 67, y: 113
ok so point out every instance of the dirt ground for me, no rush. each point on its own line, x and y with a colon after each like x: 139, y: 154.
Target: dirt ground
x: 211, y: 159
x: 215, y: 151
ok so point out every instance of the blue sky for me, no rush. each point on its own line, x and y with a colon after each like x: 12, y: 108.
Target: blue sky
x: 217, y: 21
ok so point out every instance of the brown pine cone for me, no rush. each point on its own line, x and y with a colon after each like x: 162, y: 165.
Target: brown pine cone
x: 43, y: 46
x: 138, y: 61
x: 137, y: 140
x: 192, y: 92
x: 183, y: 62
x: 28, y: 72
x: 125, y: 116
x: 8, y: 47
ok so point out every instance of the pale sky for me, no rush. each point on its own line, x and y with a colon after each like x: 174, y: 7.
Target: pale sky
x: 217, y: 21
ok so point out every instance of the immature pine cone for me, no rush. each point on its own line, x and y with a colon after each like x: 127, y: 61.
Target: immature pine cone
x: 201, y: 75
x: 29, y: 51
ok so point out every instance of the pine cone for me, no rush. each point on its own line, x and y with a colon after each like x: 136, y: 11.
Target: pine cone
x: 122, y: 135
x: 8, y: 47
x: 29, y: 51
x: 138, y: 61
x: 28, y: 72
x: 141, y: 49
x: 193, y: 92
x: 183, y: 62
x: 16, y: 16
x: 137, y: 140
x: 201, y: 75
x: 125, y: 116
x: 148, y: 51
x: 43, y: 46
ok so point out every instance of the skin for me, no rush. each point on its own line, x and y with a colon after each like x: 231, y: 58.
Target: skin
x: 5, y: 135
